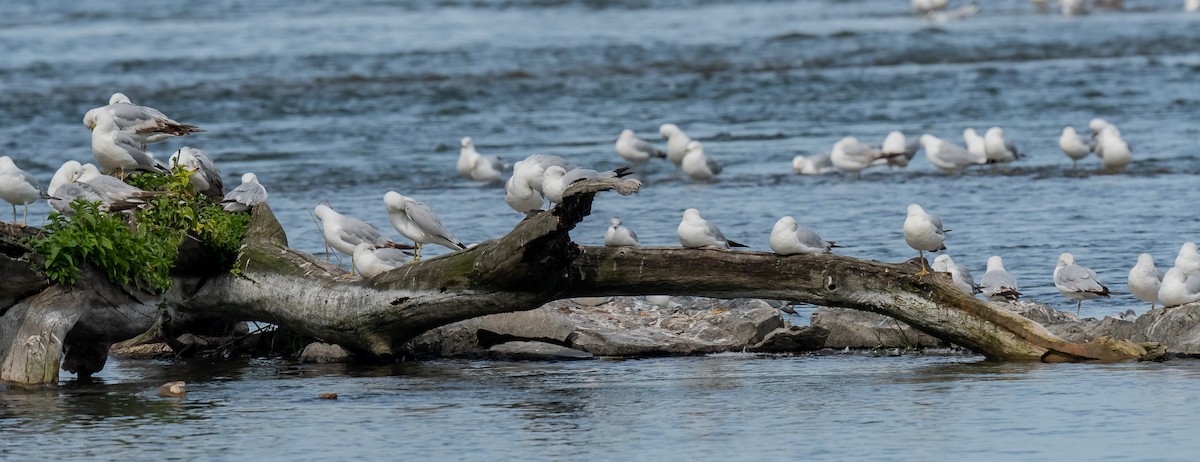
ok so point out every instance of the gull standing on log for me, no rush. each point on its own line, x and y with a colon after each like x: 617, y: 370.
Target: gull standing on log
x: 789, y: 238
x: 959, y: 275
x: 923, y: 232
x: 117, y: 150
x: 371, y: 261
x: 997, y: 284
x: 1144, y: 280
x: 618, y: 235
x: 417, y: 221
x: 143, y: 123
x: 19, y: 188
x: 634, y: 149
x: 697, y: 165
x: 205, y: 176
x: 1076, y: 282
x: 344, y: 233
x: 246, y: 195
x: 523, y: 190
x: 1181, y: 284
x: 696, y: 233
x: 1074, y: 146
x: 677, y: 142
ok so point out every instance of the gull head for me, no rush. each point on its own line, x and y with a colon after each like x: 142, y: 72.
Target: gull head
x: 88, y: 170
x: 1097, y: 125
x: 6, y: 163
x: 691, y: 215
x: 323, y: 212
x: 798, y: 163
x: 914, y: 210
x: 67, y: 173
x: 967, y: 134
x: 1069, y: 131
x: 119, y: 98
x: 185, y: 157
x: 995, y: 263
x: 994, y: 132
x: 666, y: 130
x: 894, y: 142
x: 1188, y: 258
x: 249, y: 178
x: 467, y: 142
x: 1066, y: 259
x: 394, y: 201
x: 361, y: 249
x: 927, y: 139
x: 943, y: 258
x: 785, y: 224
x: 89, y: 119
x: 626, y: 134
x: 555, y: 171
x: 1145, y: 261
x: 615, y: 222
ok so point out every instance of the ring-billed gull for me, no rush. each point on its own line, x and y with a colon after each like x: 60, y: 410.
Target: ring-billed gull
x: 523, y: 190
x: 1145, y: 279
x: 19, y: 188
x: 344, y: 232
x: 789, y: 238
x: 115, y: 193
x: 1073, y: 7
x: 677, y: 142
x: 635, y: 149
x: 471, y: 164
x: 417, y: 222
x: 818, y: 164
x: 143, y: 123
x: 923, y: 232
x: 947, y: 156
x: 117, y: 150
x: 1076, y: 282
x: 205, y: 176
x: 1113, y: 151
x: 371, y: 261
x: 618, y: 235
x: 556, y: 179
x: 898, y: 149
x: 851, y: 155
x: 70, y: 192
x: 697, y: 165
x: 246, y: 195
x: 1074, y: 146
x: 1098, y: 126
x: 929, y: 6
x: 975, y: 144
x: 1191, y: 5
x: 696, y: 233
x: 997, y: 284
x: 959, y: 275
x: 999, y: 150
x: 1181, y: 284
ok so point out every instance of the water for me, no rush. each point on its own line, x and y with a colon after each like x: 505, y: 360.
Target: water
x: 344, y: 102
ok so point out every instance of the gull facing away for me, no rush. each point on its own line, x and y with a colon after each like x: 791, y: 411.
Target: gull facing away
x: 556, y: 179
x: 618, y: 235
x: 19, y: 188
x: 246, y: 195
x: 923, y: 232
x: 975, y: 144
x: 417, y: 221
x: 677, y: 142
x: 523, y: 190
x: 696, y: 233
x: 999, y: 150
x: 1098, y: 126
x: 344, y: 233
x: 789, y: 238
x: 1074, y: 146
x: 1076, y: 282
x: 206, y: 177
x: 697, y: 165
x: 1144, y: 280
x: 371, y: 261
x: 1181, y: 284
x: 634, y: 149
x: 947, y: 156
x: 117, y: 150
x: 959, y: 275
x: 1113, y: 151
x: 471, y: 164
x: 143, y: 123
x: 898, y: 149
x: 818, y: 164
x: 997, y: 284
x: 850, y: 155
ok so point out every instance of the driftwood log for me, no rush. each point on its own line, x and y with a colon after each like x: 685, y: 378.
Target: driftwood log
x: 44, y: 326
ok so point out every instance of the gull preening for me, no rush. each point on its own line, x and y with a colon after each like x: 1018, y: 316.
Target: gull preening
x: 999, y: 150
x: 898, y: 149
x: 959, y: 275
x: 1074, y: 146
x: 471, y: 164
x: 523, y: 190
x: 1181, y: 284
x: 1144, y: 280
x: 1076, y: 282
x: 677, y: 142
x: 851, y: 155
x: 246, y: 195
x: 697, y: 165
x: 205, y: 176
x: 789, y: 238
x: 142, y: 123
x: 923, y: 232
x: 818, y: 164
x: 618, y: 235
x: 117, y: 150
x: 371, y: 261
x: 344, y: 232
x: 997, y: 284
x: 19, y: 188
x: 1113, y: 151
x: 975, y: 144
x: 948, y: 156
x: 634, y: 149
x: 556, y: 179
x: 696, y: 233
x: 417, y: 222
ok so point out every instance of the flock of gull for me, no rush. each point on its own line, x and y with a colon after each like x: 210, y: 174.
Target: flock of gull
x: 939, y: 10
x: 121, y: 130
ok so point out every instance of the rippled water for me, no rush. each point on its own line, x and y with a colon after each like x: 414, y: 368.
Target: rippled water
x: 337, y: 102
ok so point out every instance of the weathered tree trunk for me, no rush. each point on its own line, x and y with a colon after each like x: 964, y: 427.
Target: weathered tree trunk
x: 533, y: 264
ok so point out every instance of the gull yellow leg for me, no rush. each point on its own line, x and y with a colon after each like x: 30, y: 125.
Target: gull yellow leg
x: 924, y: 271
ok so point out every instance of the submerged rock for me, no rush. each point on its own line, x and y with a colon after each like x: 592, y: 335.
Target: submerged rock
x: 536, y: 351
x: 793, y: 339
x: 322, y: 353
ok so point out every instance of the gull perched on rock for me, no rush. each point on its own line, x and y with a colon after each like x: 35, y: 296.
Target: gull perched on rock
x: 1145, y: 280
x: 471, y: 164
x: 1076, y: 282
x: 344, y: 233
x: 117, y: 150
x: 417, y: 221
x: 557, y: 179
x: 999, y: 150
x: 899, y: 150
x: 618, y: 235
x: 948, y: 156
x: 697, y: 165
x: 789, y: 238
x: 205, y: 177
x: 371, y: 261
x: 959, y: 275
x: 850, y: 155
x: 997, y: 284
x: 923, y: 232
x: 246, y: 195
x: 1074, y: 146
x: 677, y: 142
x: 818, y: 164
x: 523, y: 190
x: 142, y: 123
x: 1181, y: 284
x: 696, y: 233
x: 19, y: 188
x: 634, y: 149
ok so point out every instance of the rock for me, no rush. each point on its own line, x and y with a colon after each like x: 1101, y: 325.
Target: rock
x: 536, y: 351
x: 1177, y: 327
x: 537, y: 324
x: 1038, y: 312
x: 142, y: 351
x: 860, y: 329
x: 327, y: 395
x: 173, y: 390
x: 323, y: 353
x: 792, y: 339
x: 591, y: 301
